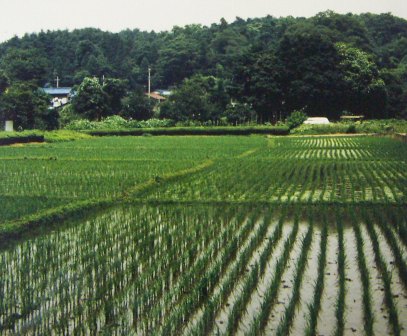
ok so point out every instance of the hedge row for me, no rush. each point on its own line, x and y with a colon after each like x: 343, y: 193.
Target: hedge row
x: 235, y: 130
x: 20, y: 139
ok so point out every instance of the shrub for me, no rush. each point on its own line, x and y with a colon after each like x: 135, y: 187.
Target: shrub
x: 80, y: 125
x: 296, y: 118
x: 351, y: 129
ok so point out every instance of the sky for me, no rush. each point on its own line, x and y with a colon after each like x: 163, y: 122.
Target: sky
x: 18, y: 17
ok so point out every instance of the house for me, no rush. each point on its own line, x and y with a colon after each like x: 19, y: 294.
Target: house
x: 164, y: 93
x: 155, y: 95
x: 60, y: 95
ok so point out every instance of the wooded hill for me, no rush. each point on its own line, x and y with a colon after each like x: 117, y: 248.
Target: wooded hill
x: 324, y: 64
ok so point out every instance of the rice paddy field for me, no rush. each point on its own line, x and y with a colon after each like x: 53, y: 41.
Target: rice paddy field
x: 205, y: 236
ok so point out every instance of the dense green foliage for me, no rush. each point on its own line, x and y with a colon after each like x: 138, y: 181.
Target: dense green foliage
x: 325, y: 65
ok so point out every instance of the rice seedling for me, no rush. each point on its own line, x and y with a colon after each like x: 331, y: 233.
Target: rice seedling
x: 315, y: 306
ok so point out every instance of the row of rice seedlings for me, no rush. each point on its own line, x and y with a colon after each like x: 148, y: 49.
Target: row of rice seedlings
x: 289, y: 181
x: 386, y: 276
x: 324, y: 154
x: 207, y: 320
x: 323, y: 142
x: 40, y: 185
x: 119, y: 254
x: 301, y: 176
x: 185, y: 284
x: 39, y: 176
x: 393, y: 244
x: 260, y: 321
x: 364, y: 276
x: 102, y: 276
x: 379, y: 185
x: 252, y: 280
x: 391, y: 179
x: 150, y: 281
x: 398, y: 222
x: 147, y: 299
x: 215, y: 279
x: 340, y: 304
x: 315, y: 307
x: 309, y: 189
x: 286, y: 322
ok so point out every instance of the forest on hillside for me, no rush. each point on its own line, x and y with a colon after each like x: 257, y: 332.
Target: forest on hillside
x: 326, y: 65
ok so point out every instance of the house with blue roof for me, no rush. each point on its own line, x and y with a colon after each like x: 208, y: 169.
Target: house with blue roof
x: 60, y: 95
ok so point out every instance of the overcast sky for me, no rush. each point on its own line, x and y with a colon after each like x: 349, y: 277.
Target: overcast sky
x: 27, y: 16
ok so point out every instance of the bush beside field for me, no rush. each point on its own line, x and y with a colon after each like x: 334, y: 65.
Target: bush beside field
x: 385, y: 126
x: 233, y: 130
x: 9, y: 138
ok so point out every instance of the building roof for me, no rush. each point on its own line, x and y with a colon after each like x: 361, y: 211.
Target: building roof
x: 316, y: 120
x: 58, y: 91
x: 163, y: 92
x: 156, y: 96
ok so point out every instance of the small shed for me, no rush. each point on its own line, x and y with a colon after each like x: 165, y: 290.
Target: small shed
x: 9, y: 126
x: 317, y: 121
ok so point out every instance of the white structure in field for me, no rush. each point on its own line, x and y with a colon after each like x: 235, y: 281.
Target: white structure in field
x: 317, y: 121
x: 9, y: 127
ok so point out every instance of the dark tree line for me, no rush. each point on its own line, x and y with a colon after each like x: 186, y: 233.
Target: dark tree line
x: 323, y: 65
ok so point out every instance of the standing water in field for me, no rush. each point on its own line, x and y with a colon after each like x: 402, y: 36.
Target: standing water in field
x: 158, y: 269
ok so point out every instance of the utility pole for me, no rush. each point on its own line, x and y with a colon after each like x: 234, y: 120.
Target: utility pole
x: 149, y: 82
x: 57, y: 80
x: 103, y: 80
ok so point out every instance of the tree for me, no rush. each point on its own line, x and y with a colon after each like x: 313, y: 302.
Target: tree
x: 115, y: 90
x: 27, y: 107
x: 90, y: 100
x: 309, y: 70
x: 137, y: 106
x: 200, y: 98
x: 396, y: 87
x: 4, y: 82
x: 180, y: 56
x: 25, y: 65
x: 239, y: 113
x: 259, y: 84
x: 363, y: 91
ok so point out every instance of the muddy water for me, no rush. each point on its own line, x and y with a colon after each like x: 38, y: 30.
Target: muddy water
x: 380, y: 325
x: 353, y: 297
x: 254, y: 305
x: 307, y: 286
x: 222, y: 317
x: 326, y: 321
x: 198, y: 315
x: 397, y: 288
x: 287, y: 282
